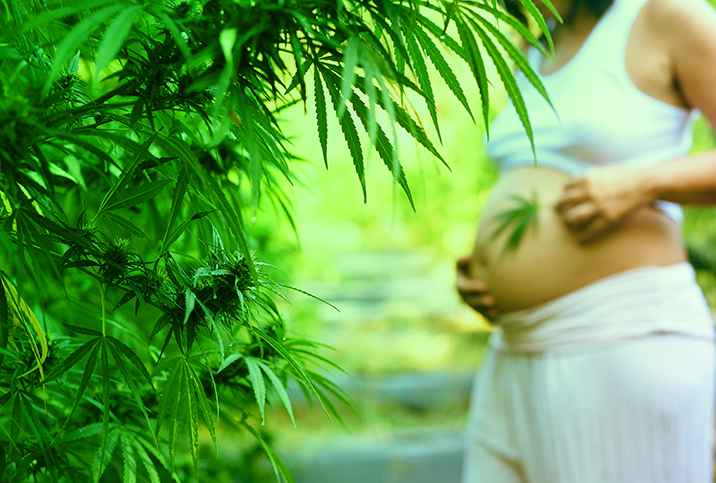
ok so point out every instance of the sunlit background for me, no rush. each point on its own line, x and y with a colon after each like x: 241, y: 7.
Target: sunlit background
x: 410, y: 348
x: 401, y: 333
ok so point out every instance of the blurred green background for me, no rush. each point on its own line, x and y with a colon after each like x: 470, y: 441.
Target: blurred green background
x: 401, y: 332
x: 389, y: 270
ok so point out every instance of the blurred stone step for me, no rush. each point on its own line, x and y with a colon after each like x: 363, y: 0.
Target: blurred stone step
x: 415, y: 391
x: 372, y: 286
x: 415, y: 456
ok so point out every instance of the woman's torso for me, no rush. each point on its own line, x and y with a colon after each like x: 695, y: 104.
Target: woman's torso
x: 601, y: 118
x: 548, y: 262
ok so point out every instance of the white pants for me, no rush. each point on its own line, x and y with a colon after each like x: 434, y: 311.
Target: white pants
x: 638, y: 409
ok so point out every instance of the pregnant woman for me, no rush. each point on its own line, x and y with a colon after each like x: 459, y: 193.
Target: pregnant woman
x: 601, y: 367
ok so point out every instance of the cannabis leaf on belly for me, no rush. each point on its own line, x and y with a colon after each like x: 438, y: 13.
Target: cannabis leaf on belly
x: 519, y: 219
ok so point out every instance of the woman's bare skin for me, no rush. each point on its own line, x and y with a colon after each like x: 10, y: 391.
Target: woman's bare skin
x: 602, y: 223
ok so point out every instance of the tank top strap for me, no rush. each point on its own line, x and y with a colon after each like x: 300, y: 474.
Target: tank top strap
x: 612, y: 33
x: 605, y: 47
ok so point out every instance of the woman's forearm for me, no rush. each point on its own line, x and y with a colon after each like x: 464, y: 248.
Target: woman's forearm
x: 593, y: 204
x: 689, y: 181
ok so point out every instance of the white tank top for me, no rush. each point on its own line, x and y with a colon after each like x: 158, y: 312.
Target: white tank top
x: 600, y: 117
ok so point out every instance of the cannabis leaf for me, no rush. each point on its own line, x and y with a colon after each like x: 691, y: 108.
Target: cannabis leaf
x: 183, y: 399
x: 520, y: 218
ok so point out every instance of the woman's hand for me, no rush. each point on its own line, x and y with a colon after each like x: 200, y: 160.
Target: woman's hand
x: 594, y: 204
x: 475, y: 293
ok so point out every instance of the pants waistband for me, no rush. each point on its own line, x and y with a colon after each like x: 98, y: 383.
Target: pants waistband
x: 629, y: 304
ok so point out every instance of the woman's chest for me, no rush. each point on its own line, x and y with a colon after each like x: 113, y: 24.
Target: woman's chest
x: 595, y: 119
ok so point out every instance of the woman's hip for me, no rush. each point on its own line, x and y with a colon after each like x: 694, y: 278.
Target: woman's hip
x: 638, y: 411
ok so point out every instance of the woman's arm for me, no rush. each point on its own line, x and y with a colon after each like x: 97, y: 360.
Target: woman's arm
x: 593, y: 204
x: 690, y: 27
x: 687, y: 181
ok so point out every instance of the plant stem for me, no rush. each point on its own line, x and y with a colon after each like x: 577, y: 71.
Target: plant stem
x: 4, y: 314
x: 104, y: 318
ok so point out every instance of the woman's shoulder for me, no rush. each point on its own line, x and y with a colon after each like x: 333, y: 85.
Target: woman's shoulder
x: 688, y: 30
x: 674, y: 16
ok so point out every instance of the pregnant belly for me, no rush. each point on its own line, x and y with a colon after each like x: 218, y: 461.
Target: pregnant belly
x: 547, y: 262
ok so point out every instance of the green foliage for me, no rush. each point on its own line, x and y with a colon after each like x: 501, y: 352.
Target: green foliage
x: 136, y: 138
x: 520, y: 218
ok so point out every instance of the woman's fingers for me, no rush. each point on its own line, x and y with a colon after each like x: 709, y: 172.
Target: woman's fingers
x: 577, y: 217
x: 475, y: 293
x: 480, y: 300
x: 484, y: 304
x: 586, y: 223
x: 572, y: 195
x: 470, y: 285
x: 581, y: 212
x: 590, y: 232
x: 594, y: 204
x: 492, y: 314
x: 574, y: 183
x: 463, y: 265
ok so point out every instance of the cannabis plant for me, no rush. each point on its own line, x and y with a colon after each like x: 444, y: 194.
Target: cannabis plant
x: 136, y: 139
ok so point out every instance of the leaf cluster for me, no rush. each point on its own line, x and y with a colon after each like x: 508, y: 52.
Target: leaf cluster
x: 135, y: 138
